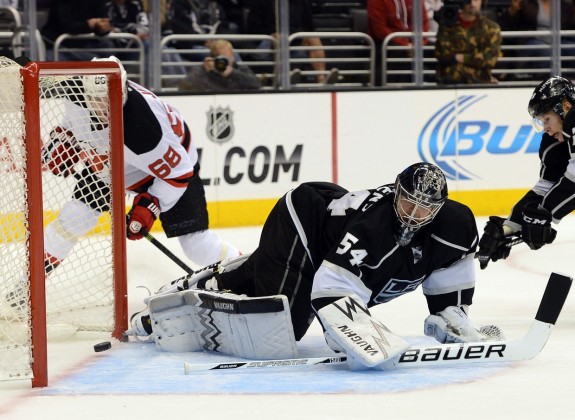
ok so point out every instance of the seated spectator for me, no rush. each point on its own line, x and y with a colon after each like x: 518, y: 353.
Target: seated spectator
x: 386, y: 17
x: 128, y: 16
x: 175, y: 68
x: 467, y: 47
x: 198, y: 17
x: 77, y: 17
x: 220, y: 72
x: 535, y: 15
x: 261, y: 21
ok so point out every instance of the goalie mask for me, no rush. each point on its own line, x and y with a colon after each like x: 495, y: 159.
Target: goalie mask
x: 420, y: 192
x: 549, y: 96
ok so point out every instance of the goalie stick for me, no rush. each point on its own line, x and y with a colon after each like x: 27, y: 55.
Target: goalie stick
x: 523, y: 348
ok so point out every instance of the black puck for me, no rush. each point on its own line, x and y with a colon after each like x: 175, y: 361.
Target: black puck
x: 106, y: 345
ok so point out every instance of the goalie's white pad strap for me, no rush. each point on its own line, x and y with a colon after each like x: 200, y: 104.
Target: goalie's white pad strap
x: 191, y: 280
x: 365, y: 340
x: 254, y: 328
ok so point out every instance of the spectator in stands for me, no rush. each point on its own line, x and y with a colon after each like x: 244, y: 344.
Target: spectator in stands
x: 8, y: 24
x: 468, y: 46
x: 128, y: 16
x: 199, y: 17
x: 535, y: 15
x: 175, y: 68
x: 386, y: 17
x: 261, y: 21
x: 77, y: 17
x: 220, y: 72
x: 432, y: 6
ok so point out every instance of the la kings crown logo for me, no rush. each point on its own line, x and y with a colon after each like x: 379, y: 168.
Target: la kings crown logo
x: 220, y: 127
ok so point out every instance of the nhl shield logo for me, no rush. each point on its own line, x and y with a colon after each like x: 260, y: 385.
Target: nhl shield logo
x: 220, y: 128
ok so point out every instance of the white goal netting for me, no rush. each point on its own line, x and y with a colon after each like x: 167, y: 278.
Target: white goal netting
x: 76, y: 206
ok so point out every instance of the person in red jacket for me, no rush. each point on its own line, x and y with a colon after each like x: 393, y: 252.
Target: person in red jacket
x: 389, y: 16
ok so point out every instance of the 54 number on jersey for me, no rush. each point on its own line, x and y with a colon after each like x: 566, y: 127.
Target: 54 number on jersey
x: 357, y: 255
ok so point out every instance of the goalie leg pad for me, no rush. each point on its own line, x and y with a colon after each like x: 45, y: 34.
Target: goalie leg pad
x: 349, y: 327
x: 191, y: 320
x: 172, y: 324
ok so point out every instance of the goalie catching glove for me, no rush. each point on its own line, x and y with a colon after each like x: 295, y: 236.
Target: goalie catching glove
x: 452, y: 325
x: 62, y: 152
x: 142, y: 216
x: 536, y: 227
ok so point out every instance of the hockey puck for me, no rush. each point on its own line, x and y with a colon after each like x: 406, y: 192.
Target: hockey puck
x: 106, y: 345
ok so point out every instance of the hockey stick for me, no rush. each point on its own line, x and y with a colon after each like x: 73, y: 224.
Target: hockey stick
x: 523, y: 348
x: 166, y: 251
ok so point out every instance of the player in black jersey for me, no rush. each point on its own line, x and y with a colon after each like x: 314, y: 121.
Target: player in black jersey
x: 335, y: 253
x: 553, y: 196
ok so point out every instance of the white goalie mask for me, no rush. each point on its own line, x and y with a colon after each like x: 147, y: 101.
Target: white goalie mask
x: 420, y: 192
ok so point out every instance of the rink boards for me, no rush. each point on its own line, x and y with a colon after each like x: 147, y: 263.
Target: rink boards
x: 255, y: 147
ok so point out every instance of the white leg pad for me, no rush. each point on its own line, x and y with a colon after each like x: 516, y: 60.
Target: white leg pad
x: 252, y: 328
x: 173, y: 328
x: 349, y: 327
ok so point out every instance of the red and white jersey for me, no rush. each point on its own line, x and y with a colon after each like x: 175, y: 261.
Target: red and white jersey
x: 158, y: 152
x: 158, y: 148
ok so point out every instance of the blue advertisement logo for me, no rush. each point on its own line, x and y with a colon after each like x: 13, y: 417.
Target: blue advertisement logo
x: 447, y: 138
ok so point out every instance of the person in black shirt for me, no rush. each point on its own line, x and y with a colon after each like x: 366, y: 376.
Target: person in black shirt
x: 553, y: 196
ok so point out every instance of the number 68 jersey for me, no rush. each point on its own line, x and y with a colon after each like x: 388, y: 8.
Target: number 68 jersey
x: 358, y: 251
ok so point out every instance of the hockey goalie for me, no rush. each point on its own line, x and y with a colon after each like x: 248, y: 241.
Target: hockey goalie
x: 331, y: 254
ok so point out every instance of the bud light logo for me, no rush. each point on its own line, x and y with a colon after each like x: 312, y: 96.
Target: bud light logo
x: 456, y: 134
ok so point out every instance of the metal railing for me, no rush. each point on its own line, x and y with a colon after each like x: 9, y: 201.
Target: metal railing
x: 517, y: 61
x: 132, y: 55
x: 352, y: 53
x: 246, y: 46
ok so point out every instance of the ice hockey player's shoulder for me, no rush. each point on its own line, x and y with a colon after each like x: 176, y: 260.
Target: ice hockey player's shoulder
x: 142, y: 130
x: 455, y: 218
x: 455, y: 224
x: 455, y: 211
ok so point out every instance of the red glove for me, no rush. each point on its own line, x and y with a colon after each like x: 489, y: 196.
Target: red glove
x: 144, y: 212
x: 61, y: 152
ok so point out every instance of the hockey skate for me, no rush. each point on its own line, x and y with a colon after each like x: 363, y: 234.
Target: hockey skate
x: 141, y: 326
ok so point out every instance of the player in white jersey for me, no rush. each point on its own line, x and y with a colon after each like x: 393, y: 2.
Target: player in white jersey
x: 160, y: 165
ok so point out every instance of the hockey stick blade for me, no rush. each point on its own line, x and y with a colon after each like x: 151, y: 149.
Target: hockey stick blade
x: 523, y: 348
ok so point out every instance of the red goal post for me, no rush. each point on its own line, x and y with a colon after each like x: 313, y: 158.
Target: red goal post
x: 87, y: 291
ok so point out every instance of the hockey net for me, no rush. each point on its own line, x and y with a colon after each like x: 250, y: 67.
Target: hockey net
x: 85, y: 290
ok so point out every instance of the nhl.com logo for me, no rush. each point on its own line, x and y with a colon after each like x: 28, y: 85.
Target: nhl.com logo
x: 451, y: 141
x: 220, y: 126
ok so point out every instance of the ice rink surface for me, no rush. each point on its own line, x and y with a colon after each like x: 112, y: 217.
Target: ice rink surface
x: 135, y: 381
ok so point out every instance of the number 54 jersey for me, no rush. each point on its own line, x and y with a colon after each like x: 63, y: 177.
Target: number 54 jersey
x: 353, y: 247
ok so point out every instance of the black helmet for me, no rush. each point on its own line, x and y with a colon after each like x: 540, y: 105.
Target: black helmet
x: 549, y: 95
x: 420, y: 191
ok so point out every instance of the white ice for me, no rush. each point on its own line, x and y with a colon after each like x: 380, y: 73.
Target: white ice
x: 134, y: 381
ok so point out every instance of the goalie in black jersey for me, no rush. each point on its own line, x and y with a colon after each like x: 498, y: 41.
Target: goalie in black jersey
x: 553, y: 196
x: 335, y: 253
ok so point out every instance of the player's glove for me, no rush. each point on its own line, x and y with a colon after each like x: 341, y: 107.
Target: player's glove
x: 142, y: 216
x: 62, y: 152
x: 536, y: 229
x: 493, y: 245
